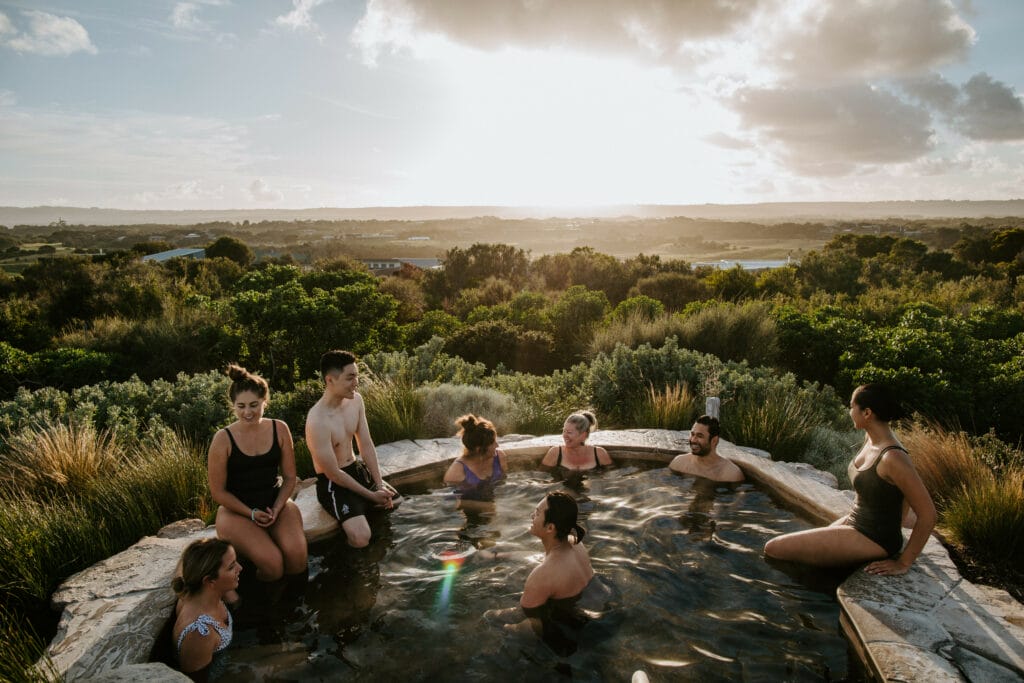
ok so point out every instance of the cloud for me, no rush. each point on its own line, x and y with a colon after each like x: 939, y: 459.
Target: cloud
x: 982, y: 109
x: 990, y: 110
x: 259, y: 191
x: 185, y: 16
x: 47, y: 35
x: 657, y: 28
x: 301, y: 17
x: 833, y: 131
x: 871, y: 39
x: 726, y: 141
x: 190, y: 191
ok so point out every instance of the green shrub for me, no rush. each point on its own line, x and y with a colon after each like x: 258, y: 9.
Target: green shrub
x: 542, y: 402
x: 733, y: 332
x: 425, y: 364
x: 673, y: 407
x: 830, y: 450
x: 633, y: 330
x: 445, y: 402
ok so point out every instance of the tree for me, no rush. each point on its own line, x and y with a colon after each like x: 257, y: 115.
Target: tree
x: 230, y: 248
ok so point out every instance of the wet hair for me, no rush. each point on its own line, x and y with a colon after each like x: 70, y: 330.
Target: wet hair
x: 200, y: 560
x: 562, y: 512
x: 880, y: 400
x: 477, y: 433
x: 335, y: 360
x: 243, y: 380
x: 583, y: 421
x: 714, y: 427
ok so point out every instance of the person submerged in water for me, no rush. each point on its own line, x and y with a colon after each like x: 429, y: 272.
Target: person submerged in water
x: 703, y: 459
x: 209, y: 572
x: 481, y: 466
x: 576, y: 455
x: 551, y: 600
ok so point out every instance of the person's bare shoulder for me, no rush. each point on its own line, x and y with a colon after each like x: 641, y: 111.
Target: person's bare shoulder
x: 731, y: 472
x: 681, y: 463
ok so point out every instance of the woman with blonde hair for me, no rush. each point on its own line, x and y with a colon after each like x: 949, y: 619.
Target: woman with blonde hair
x: 576, y: 455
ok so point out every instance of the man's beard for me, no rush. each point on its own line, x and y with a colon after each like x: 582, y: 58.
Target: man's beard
x: 698, y: 452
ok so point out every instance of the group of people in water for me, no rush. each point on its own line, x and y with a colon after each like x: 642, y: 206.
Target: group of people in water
x: 252, y: 478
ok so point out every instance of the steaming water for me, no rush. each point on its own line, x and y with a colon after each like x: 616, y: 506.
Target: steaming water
x: 687, y: 593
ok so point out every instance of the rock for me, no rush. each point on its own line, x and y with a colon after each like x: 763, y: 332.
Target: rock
x: 153, y: 672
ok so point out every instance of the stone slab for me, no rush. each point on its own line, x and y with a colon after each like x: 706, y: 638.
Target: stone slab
x: 152, y: 672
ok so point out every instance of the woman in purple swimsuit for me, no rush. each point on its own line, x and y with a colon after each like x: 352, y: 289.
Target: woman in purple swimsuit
x: 886, y: 484
x: 481, y: 465
x: 251, y: 466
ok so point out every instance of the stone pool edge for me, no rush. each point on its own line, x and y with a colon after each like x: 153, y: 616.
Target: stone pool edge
x: 930, y: 624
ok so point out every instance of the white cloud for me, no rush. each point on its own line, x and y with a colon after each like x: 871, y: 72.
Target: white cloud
x: 185, y: 16
x: 726, y: 141
x: 870, y: 39
x: 990, y: 111
x: 833, y: 131
x: 47, y: 35
x: 652, y: 28
x: 194, y: 191
x: 259, y: 191
x: 301, y: 17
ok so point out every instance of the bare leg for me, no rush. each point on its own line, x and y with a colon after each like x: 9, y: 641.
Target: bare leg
x: 357, y: 530
x: 252, y: 542
x: 831, y: 546
x: 290, y: 538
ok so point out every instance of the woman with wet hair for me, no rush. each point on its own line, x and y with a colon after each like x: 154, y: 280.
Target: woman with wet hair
x: 251, y: 468
x: 209, y: 571
x: 576, y: 455
x: 887, y: 485
x: 481, y: 465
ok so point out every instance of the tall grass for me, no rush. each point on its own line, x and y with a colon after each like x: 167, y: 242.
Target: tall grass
x: 59, y: 459
x: 445, y: 402
x: 20, y: 647
x: 945, y: 461
x: 781, y: 423
x: 985, y: 521
x: 733, y: 332
x: 394, y: 411
x: 50, y: 530
x: 673, y: 407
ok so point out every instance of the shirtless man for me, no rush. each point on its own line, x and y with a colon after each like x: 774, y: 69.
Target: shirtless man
x: 703, y: 459
x: 345, y: 487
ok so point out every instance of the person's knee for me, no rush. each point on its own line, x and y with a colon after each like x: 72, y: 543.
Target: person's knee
x: 774, y: 547
x: 270, y: 568
x: 358, y: 538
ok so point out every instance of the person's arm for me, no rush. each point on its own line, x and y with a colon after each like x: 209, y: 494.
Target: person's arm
x: 896, y: 468
x: 217, y: 476
x: 550, y: 458
x: 197, y: 650
x: 537, y: 589
x: 503, y: 461
x: 455, y: 474
x: 678, y: 464
x: 368, y: 453
x: 603, y: 458
x: 288, y: 476
x: 318, y: 439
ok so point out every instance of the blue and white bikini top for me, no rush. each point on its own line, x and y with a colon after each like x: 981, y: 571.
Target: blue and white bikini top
x: 202, y: 624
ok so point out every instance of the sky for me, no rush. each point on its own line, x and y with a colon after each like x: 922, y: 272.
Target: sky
x: 216, y: 104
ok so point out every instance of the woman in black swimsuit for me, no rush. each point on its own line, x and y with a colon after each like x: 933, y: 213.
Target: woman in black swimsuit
x: 576, y: 455
x: 886, y: 484
x: 256, y: 514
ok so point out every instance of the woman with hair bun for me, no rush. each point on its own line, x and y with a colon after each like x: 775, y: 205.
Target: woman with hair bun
x: 251, y: 467
x: 481, y: 465
x: 209, y: 571
x: 886, y: 484
x: 575, y: 455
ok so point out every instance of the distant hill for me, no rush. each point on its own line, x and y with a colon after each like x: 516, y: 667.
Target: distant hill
x: 767, y: 213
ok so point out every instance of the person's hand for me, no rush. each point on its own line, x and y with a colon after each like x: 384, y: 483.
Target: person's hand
x: 265, y: 518
x: 382, y: 497
x: 887, y: 568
